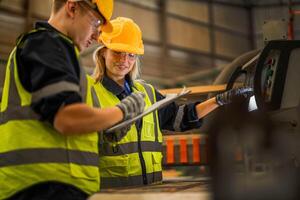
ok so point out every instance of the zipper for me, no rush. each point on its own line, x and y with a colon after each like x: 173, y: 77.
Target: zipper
x: 142, y: 160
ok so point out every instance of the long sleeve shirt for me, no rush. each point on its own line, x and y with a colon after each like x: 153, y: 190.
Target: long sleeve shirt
x: 45, y: 59
x: 172, y: 117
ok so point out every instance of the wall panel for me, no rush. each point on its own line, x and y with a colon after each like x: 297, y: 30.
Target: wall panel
x: 189, y: 9
x: 11, y: 28
x: 263, y: 14
x: 41, y: 8
x: 15, y: 5
x: 259, y: 42
x: 233, y: 18
x: 237, y: 2
x: 147, y: 3
x: 5, y: 51
x: 187, y: 35
x: 230, y: 45
x: 146, y: 19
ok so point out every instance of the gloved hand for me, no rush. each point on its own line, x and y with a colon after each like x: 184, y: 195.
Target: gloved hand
x: 117, y: 135
x: 132, y: 105
x: 226, y: 97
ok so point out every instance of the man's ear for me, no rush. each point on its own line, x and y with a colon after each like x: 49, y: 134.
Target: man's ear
x: 70, y: 8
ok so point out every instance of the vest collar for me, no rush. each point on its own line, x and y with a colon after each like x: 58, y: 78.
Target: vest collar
x: 113, y: 87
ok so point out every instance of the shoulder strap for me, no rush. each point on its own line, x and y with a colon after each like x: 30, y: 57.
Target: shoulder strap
x: 148, y: 89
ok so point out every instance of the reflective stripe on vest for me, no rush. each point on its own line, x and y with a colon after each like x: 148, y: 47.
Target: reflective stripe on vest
x: 148, y: 88
x: 42, y: 155
x: 14, y: 109
x: 31, y: 151
x: 109, y: 182
x: 116, y: 158
x: 130, y: 147
x: 53, y: 89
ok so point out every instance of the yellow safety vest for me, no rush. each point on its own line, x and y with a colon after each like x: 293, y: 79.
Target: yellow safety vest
x: 136, y: 158
x: 32, y: 151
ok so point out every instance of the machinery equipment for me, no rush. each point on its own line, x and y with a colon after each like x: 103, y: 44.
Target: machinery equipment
x: 269, y: 136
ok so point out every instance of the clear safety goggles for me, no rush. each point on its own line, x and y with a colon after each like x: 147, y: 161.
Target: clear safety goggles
x: 94, y: 8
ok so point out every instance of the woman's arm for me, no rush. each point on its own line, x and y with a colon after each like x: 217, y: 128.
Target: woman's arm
x: 179, y: 118
x: 206, y: 107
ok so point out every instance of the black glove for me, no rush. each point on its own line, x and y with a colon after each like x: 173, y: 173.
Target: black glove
x: 226, y: 97
x: 132, y: 105
x: 118, y: 135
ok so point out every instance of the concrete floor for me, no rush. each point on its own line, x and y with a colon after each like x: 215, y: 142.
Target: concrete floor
x: 175, y: 190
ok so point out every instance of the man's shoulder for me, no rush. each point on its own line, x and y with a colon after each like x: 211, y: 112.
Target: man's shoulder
x: 48, y: 31
x: 44, y: 40
x: 42, y: 36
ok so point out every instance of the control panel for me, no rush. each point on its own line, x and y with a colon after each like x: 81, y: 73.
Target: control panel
x: 269, y: 74
x: 276, y: 76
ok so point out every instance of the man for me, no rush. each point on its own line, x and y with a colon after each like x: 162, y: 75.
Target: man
x: 52, y: 153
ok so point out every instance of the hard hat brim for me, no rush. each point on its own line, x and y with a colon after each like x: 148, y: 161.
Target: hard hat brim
x: 107, y: 27
x: 125, y: 48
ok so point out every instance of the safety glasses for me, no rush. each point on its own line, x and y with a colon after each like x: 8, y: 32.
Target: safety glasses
x: 87, y: 4
x: 119, y: 55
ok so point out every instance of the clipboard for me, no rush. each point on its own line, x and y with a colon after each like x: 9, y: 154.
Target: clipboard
x: 157, y: 105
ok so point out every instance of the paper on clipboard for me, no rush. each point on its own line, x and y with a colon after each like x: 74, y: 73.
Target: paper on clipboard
x: 169, y: 99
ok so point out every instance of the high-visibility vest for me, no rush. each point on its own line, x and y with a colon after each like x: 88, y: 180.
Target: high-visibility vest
x: 32, y: 151
x: 135, y: 159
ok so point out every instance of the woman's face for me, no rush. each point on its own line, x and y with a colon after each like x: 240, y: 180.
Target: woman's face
x: 118, y: 64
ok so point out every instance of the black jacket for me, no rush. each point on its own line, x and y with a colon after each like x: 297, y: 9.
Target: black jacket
x: 44, y: 59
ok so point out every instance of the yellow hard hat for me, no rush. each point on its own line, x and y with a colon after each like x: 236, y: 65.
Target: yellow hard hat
x: 125, y: 37
x: 104, y: 8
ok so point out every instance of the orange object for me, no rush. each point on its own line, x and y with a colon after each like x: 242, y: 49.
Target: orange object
x: 207, y: 153
x: 196, y: 150
x: 239, y: 154
x: 170, y: 151
x: 183, y: 151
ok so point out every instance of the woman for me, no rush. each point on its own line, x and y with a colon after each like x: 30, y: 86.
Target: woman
x: 133, y: 156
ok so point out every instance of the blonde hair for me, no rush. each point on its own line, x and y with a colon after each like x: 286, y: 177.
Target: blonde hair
x: 100, y: 68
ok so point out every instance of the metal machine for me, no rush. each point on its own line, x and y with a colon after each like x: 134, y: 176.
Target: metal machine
x: 268, y: 136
